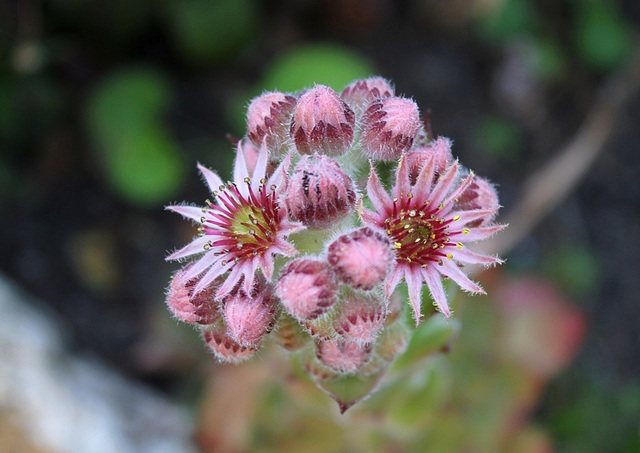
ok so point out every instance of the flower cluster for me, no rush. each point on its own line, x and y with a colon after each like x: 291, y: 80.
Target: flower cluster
x: 308, y: 245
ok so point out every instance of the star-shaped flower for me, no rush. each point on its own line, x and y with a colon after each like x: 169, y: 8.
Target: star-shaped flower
x: 243, y: 229
x: 428, y: 231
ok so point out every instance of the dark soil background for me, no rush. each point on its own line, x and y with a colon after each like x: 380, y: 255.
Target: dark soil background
x: 509, y: 81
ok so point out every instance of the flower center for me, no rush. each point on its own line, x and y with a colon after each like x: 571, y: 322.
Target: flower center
x: 418, y: 234
x: 245, y: 225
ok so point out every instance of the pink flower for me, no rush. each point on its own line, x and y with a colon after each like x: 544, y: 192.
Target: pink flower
x: 428, y: 231
x: 243, y: 230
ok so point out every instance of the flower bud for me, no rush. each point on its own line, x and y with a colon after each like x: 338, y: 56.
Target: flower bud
x: 393, y: 341
x: 319, y: 192
x: 249, y: 318
x: 268, y: 116
x: 439, y: 150
x: 322, y: 123
x: 307, y: 288
x: 389, y: 127
x: 361, y: 258
x: 224, y: 347
x: 289, y: 334
x: 360, y: 318
x: 342, y: 355
x: 200, y: 308
x: 359, y: 93
x: 479, y: 195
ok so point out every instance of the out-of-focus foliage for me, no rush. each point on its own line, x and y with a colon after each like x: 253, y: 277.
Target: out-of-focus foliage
x: 207, y: 31
x: 324, y: 64
x: 141, y: 159
x: 475, y: 398
x: 602, y: 35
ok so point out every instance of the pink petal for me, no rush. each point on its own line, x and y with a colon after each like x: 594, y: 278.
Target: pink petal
x: 422, y: 187
x: 189, y: 212
x: 470, y: 216
x: 279, y: 176
x: 403, y: 184
x: 230, y: 282
x: 451, y: 270
x: 213, y: 181
x: 192, y: 248
x: 414, y: 283
x: 370, y: 217
x: 434, y: 282
x: 213, y: 272
x: 207, y: 260
x: 467, y: 256
x: 479, y: 234
x: 378, y: 196
x: 240, y: 170
x: 261, y: 166
x: 444, y: 185
x: 266, y: 265
x: 393, y: 279
x: 459, y: 190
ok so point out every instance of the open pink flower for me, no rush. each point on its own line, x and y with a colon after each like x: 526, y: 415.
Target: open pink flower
x: 429, y: 233
x: 242, y: 230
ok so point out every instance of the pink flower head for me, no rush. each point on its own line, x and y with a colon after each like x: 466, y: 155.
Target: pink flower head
x: 268, y: 116
x: 250, y: 317
x: 319, y: 192
x: 201, y: 308
x: 225, y: 348
x: 342, y: 355
x: 243, y: 230
x: 359, y: 93
x: 360, y: 318
x: 389, y: 127
x: 428, y: 233
x: 322, y: 123
x: 307, y: 288
x: 479, y: 195
x: 361, y: 258
x: 439, y: 150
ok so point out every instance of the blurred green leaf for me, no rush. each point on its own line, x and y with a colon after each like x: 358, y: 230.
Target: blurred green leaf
x: 324, y: 64
x: 499, y: 137
x: 603, y: 37
x: 574, y: 267
x: 141, y: 160
x: 550, y: 62
x: 208, y: 31
x: 431, y: 336
x: 508, y: 19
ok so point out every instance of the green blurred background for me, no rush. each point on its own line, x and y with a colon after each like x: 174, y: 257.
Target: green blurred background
x: 105, y: 107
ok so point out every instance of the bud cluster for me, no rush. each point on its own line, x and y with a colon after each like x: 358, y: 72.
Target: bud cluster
x: 302, y: 247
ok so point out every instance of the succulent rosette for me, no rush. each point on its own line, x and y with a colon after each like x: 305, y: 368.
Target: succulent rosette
x: 303, y: 248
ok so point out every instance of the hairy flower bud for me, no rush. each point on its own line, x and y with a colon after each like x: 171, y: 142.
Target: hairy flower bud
x: 389, y: 127
x: 479, y: 195
x: 289, y: 334
x: 343, y: 355
x: 319, y: 192
x: 359, y: 93
x: 268, y: 116
x: 439, y: 150
x: 249, y: 318
x: 200, y: 308
x: 225, y: 348
x: 322, y: 123
x: 307, y: 288
x: 361, y: 258
x: 360, y: 317
x: 393, y: 341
